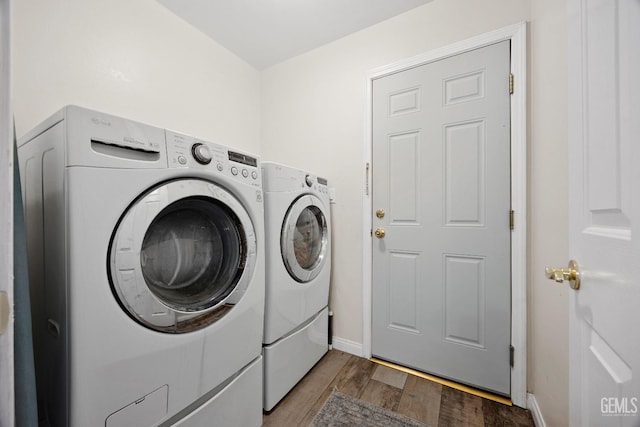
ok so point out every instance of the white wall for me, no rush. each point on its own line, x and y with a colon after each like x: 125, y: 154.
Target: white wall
x: 134, y: 59
x: 313, y: 110
x: 548, y: 211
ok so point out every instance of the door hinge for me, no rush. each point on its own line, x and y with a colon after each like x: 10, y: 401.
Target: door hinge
x: 511, y: 84
x: 5, y: 311
x: 511, y: 355
x: 511, y: 220
x: 366, y: 179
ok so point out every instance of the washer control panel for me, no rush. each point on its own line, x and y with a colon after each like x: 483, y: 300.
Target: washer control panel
x: 187, y: 151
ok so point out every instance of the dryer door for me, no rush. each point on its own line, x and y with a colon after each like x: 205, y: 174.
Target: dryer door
x: 305, y: 238
x: 182, y: 255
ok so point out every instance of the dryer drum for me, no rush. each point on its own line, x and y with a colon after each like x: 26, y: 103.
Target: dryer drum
x: 304, y: 238
x: 308, y: 239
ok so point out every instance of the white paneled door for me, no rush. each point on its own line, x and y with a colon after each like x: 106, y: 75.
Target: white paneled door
x: 604, y: 201
x: 441, y: 203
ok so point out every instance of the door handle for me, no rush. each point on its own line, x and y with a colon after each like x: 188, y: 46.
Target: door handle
x: 379, y: 233
x: 572, y: 274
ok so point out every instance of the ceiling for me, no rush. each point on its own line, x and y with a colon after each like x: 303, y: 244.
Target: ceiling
x: 266, y: 32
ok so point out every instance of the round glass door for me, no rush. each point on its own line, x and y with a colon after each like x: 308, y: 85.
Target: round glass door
x: 192, y: 254
x: 304, y: 239
x: 182, y: 255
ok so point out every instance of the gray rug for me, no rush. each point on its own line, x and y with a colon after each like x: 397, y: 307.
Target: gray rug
x: 343, y: 410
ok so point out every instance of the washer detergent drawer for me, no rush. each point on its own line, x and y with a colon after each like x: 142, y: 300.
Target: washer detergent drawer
x: 146, y: 411
x: 289, y: 359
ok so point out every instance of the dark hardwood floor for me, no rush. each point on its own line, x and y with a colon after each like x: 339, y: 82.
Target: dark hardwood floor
x: 431, y: 403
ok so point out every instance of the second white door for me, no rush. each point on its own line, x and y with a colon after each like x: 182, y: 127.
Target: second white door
x: 441, y: 201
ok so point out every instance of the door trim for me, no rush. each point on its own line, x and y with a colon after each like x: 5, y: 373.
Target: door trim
x: 7, y: 382
x: 517, y: 34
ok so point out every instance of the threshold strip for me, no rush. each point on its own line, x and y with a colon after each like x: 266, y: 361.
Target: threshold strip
x: 448, y: 383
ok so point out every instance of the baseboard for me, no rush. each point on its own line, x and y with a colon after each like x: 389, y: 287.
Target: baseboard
x: 347, y: 346
x: 532, y: 405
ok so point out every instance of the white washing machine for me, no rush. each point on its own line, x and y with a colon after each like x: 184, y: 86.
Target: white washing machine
x: 146, y: 262
x: 298, y: 256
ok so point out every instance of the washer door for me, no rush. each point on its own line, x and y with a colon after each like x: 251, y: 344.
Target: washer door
x: 182, y: 255
x: 304, y: 238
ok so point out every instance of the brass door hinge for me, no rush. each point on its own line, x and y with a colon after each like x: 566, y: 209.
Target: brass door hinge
x: 366, y: 179
x: 511, y: 220
x: 511, y: 84
x: 5, y: 311
x: 511, y: 355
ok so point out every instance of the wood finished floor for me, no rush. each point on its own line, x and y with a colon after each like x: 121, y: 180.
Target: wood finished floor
x: 423, y: 400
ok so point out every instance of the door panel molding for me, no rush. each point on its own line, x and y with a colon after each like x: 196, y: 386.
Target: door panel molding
x: 517, y: 34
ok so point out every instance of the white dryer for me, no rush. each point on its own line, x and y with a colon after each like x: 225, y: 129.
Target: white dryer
x: 298, y: 256
x: 146, y: 262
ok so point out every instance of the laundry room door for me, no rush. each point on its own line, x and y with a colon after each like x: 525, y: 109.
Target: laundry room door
x: 604, y: 213
x: 441, y: 201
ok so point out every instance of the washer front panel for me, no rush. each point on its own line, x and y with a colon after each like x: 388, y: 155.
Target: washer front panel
x: 182, y: 255
x: 304, y: 238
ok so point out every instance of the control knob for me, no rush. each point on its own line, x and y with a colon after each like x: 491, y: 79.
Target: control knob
x: 309, y: 180
x: 201, y: 153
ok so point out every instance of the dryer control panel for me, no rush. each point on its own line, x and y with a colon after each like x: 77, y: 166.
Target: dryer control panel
x: 187, y: 151
x: 312, y: 183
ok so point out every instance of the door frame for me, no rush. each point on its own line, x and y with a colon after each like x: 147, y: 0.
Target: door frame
x: 517, y: 33
x: 7, y: 392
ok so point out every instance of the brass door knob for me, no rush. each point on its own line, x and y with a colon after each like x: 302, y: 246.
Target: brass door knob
x: 379, y: 233
x: 572, y: 274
